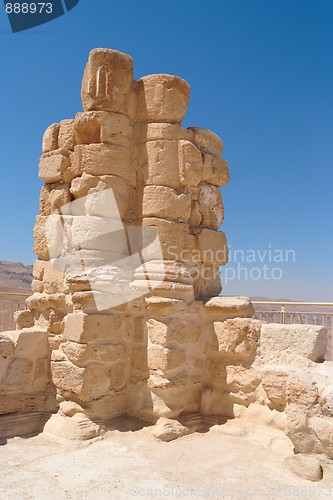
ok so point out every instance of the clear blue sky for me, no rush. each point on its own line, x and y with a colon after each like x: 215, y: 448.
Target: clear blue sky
x: 261, y: 76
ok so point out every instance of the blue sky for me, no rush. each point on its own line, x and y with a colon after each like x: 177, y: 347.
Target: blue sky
x: 261, y: 77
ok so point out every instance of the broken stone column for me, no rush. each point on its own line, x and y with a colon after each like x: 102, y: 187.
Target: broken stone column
x: 125, y: 317
x: 125, y: 180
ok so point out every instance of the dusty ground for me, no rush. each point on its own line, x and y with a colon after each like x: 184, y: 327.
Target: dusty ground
x: 226, y: 462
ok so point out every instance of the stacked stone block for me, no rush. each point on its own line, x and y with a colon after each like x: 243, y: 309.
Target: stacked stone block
x: 166, y: 345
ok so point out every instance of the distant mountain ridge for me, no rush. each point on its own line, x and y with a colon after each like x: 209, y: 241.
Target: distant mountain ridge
x: 15, y: 275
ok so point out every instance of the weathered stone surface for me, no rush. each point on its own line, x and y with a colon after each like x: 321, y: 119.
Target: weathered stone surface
x: 19, y: 373
x: 145, y: 132
x: 52, y: 167
x: 274, y: 382
x: 213, y: 247
x: 238, y: 338
x: 190, y: 164
x: 323, y: 430
x: 210, y: 206
x: 48, y: 236
x: 162, y: 98
x: 305, y: 466
x: 23, y: 319
x: 102, y: 159
x: 207, y: 141
x: 7, y: 345
x: 165, y: 359
x: 175, y: 241
x: 83, y: 328
x: 172, y: 331
x: 87, y: 383
x: 229, y: 307
x: 304, y: 340
x: 159, y: 163
x: 166, y: 203
x: 101, y: 126
x: 216, y: 170
x: 66, y: 137
x: 50, y: 138
x: 168, y: 430
x: 82, y: 354
x: 107, y: 81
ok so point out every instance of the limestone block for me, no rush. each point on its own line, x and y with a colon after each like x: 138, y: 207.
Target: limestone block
x: 216, y: 170
x: 166, y: 203
x: 87, y: 383
x: 107, y: 81
x: 190, y: 164
x: 52, y: 167
x: 109, y: 406
x: 53, y: 279
x: 38, y: 269
x: 196, y: 215
x: 208, y: 281
x: 323, y: 429
x: 37, y: 286
x: 139, y: 363
x: 50, y: 138
x: 13, y: 402
x: 82, y: 328
x: 82, y: 354
x: 41, y: 375
x: 238, y: 338
x: 167, y: 430
x: 303, y: 438
x: 76, y: 428
x: 66, y: 138
x: 305, y: 466
x: 118, y: 377
x: 54, y: 198
x: 241, y: 379
x: 174, y: 238
x: 48, y: 236
x: 157, y: 305
x: 102, y: 126
x: 145, y: 132
x: 207, y: 141
x: 41, y: 302
x: 229, y: 307
x: 213, y: 247
x: 44, y: 202
x: 114, y: 204
x: 216, y: 371
x: 103, y: 159
x: 305, y: 340
x: 173, y: 330
x: 98, y: 233
x: 31, y: 343
x: 302, y: 389
x: 159, y: 163
x: 160, y: 358
x: 274, y: 382
x: 210, y: 206
x: 162, y: 98
x: 19, y: 373
x: 7, y: 345
x: 23, y: 319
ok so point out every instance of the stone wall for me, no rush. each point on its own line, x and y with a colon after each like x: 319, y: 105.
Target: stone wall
x: 125, y: 317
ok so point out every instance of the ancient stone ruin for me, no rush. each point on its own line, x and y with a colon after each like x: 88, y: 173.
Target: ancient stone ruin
x: 125, y: 317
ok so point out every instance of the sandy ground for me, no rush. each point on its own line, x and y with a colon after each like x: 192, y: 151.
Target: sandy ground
x: 225, y: 462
